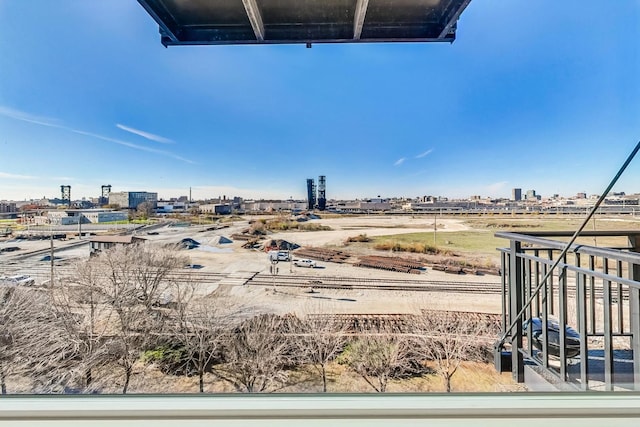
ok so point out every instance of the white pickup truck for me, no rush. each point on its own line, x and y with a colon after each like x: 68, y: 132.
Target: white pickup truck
x: 304, y: 263
x: 278, y: 256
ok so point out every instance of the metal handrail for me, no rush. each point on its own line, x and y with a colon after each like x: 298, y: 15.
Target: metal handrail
x: 566, y: 247
x: 631, y: 257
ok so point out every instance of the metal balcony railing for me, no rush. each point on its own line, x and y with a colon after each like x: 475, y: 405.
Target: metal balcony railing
x: 594, y: 291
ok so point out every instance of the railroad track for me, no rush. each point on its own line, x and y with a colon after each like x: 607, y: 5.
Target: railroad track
x: 328, y: 282
x: 347, y: 283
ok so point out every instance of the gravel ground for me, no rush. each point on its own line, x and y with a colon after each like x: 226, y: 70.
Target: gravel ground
x: 237, y: 263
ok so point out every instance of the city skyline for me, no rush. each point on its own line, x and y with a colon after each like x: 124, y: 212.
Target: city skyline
x: 88, y: 97
x: 188, y: 195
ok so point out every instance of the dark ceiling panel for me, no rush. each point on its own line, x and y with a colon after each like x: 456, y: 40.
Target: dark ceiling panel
x: 207, y: 12
x: 191, y: 22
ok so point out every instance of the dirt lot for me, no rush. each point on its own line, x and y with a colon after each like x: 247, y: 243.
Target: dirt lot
x: 236, y: 264
x: 235, y: 261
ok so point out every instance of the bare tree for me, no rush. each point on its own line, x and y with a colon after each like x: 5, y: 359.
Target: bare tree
x: 32, y: 344
x: 145, y: 210
x: 80, y: 304
x: 201, y: 326
x: 13, y: 305
x: 379, y: 357
x: 320, y: 340
x: 448, y: 338
x: 135, y: 278
x: 257, y: 354
x: 140, y: 273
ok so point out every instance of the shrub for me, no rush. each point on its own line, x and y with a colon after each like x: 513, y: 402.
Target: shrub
x: 360, y: 238
x: 412, y: 247
x: 170, y: 359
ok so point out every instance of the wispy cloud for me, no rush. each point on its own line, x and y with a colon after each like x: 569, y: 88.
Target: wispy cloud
x: 426, y: 153
x: 496, y: 186
x: 420, y: 172
x: 399, y: 161
x: 26, y: 117
x: 147, y: 135
x: 16, y: 176
x: 131, y: 145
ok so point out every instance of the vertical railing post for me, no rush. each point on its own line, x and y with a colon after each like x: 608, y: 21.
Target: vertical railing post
x: 537, y: 282
x: 550, y: 295
x: 562, y: 311
x: 619, y: 299
x: 527, y: 294
x: 515, y: 299
x: 592, y: 295
x: 634, y: 312
x: 608, y: 329
x: 581, y: 322
x: 581, y: 312
x: 503, y: 285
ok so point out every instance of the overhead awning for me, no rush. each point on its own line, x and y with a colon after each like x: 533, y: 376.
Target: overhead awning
x: 214, y: 22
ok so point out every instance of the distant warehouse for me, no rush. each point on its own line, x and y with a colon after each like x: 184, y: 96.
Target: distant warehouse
x: 131, y: 199
x: 101, y: 243
x: 87, y: 216
x: 218, y: 209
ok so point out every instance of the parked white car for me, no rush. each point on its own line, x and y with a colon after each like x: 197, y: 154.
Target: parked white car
x: 21, y: 280
x: 304, y: 263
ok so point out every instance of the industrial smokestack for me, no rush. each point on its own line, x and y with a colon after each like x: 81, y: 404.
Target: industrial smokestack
x: 311, y: 194
x: 322, y: 187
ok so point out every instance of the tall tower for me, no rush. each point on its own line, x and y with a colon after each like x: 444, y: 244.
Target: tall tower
x: 516, y: 194
x: 311, y: 194
x: 65, y: 191
x: 106, y: 190
x: 322, y: 187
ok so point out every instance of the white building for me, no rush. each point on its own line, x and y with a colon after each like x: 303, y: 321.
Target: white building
x: 93, y: 216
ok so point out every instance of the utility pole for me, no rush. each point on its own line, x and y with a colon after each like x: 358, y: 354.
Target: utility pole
x: 51, y: 256
x: 79, y: 225
x: 274, y: 272
x: 435, y: 228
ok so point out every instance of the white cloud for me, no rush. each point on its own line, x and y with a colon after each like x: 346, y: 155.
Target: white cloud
x: 45, y: 121
x: 147, y: 135
x: 16, y: 176
x: 131, y: 145
x: 399, y: 161
x: 426, y: 153
x: 27, y: 117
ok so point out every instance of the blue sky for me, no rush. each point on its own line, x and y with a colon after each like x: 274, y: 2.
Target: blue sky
x: 540, y: 95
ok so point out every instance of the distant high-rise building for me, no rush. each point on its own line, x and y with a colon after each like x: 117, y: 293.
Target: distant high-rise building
x: 322, y: 188
x: 6, y: 207
x: 531, y: 195
x: 311, y: 194
x: 516, y: 194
